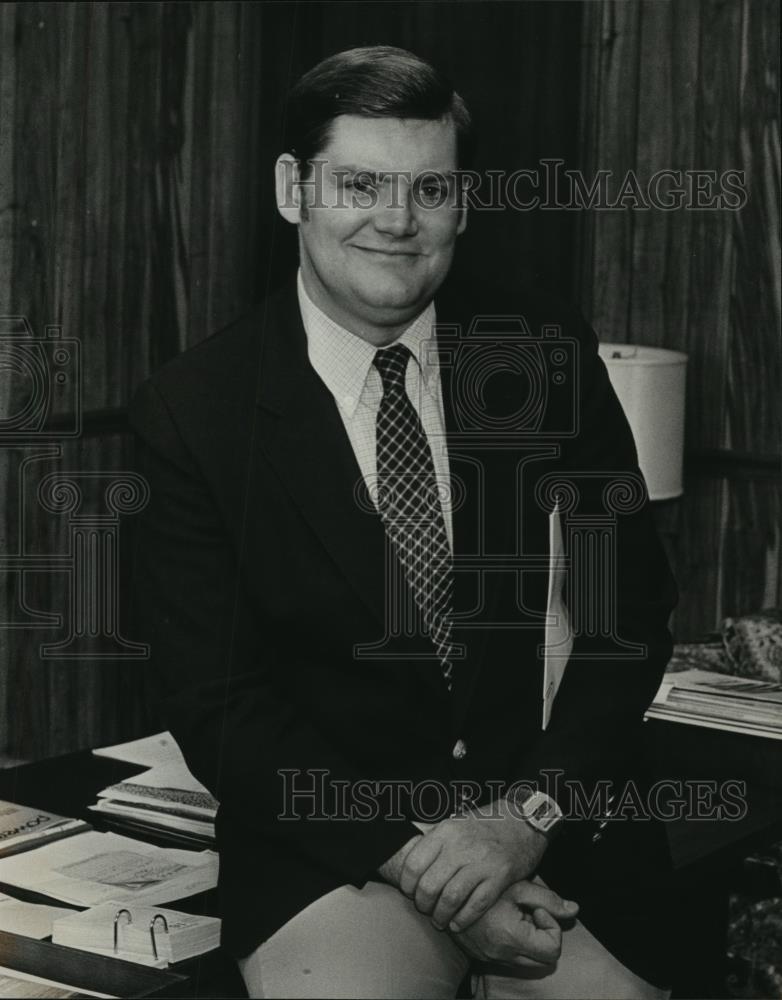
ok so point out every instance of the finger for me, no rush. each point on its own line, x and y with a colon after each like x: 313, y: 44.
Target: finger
x: 541, y: 955
x: 455, y: 892
x: 433, y: 882
x: 417, y: 861
x: 533, y: 950
x: 529, y: 895
x: 538, y: 945
x: 482, y: 898
x: 529, y: 963
x: 544, y: 921
x: 473, y: 947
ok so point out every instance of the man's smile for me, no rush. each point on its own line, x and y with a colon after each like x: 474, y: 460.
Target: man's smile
x: 386, y: 251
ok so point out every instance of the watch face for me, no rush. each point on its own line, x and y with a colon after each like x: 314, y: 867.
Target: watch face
x: 540, y: 812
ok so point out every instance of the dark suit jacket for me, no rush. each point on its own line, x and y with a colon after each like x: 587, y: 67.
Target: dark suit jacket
x: 257, y: 572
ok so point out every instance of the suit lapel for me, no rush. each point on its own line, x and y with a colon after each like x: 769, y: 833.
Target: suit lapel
x: 302, y: 436
x: 494, y: 511
x: 469, y: 517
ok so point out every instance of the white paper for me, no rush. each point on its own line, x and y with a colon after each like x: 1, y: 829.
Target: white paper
x: 184, y: 934
x: 161, y: 755
x: 160, y: 820
x: 151, y: 751
x: 559, y: 640
x: 718, y: 701
x: 33, y: 920
x: 725, y: 727
x: 173, y: 775
x: 91, y: 868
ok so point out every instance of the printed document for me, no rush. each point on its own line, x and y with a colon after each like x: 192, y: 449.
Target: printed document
x: 92, y: 868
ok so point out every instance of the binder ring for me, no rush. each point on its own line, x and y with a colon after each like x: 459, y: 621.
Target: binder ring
x: 153, y: 921
x: 118, y: 914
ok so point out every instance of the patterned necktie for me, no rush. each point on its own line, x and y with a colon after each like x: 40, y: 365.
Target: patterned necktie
x: 409, y: 503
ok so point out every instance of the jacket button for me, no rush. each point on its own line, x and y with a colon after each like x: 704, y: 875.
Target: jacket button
x: 459, y: 750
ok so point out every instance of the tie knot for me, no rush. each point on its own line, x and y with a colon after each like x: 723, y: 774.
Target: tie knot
x: 391, y: 362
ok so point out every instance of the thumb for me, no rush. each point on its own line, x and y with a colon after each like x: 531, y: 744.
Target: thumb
x: 530, y: 895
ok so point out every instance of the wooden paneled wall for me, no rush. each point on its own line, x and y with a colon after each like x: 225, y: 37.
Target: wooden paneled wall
x: 136, y: 146
x: 128, y: 216
x: 694, y: 85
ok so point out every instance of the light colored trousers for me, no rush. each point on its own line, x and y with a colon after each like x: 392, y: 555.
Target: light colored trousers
x: 372, y: 942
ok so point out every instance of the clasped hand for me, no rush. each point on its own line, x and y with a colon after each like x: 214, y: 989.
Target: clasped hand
x: 462, y: 866
x: 520, y: 929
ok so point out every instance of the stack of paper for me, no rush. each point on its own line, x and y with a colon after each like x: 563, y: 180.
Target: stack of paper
x: 164, y: 797
x: 22, y: 828
x: 93, y: 868
x: 720, y: 701
x: 33, y: 920
x: 177, y: 937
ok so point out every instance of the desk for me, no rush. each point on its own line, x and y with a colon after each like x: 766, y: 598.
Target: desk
x: 67, y: 785
x: 692, y: 753
x: 700, y: 849
x: 708, y: 854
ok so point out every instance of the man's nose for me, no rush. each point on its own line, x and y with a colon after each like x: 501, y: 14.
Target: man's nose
x: 396, y: 213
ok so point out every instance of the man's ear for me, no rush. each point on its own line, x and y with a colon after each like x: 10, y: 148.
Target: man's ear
x: 286, y: 184
x: 462, y: 224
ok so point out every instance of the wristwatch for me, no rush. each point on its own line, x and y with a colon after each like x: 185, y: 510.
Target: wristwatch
x: 537, y: 809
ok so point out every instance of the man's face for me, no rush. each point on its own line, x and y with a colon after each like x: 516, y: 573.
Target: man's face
x: 379, y: 238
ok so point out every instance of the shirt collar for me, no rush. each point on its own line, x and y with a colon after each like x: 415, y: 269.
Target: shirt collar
x: 343, y: 360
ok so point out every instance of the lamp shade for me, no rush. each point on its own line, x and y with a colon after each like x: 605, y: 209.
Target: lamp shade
x: 649, y: 382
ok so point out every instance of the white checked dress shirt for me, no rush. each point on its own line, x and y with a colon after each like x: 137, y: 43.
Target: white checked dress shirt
x: 344, y: 363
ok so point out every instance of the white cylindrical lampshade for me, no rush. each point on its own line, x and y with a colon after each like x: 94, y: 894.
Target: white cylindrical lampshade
x: 649, y: 382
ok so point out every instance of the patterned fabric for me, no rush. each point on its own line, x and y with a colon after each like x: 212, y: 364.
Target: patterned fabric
x: 343, y: 361
x: 409, y: 502
x: 753, y: 644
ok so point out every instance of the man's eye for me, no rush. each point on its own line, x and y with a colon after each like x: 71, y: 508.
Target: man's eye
x: 433, y: 194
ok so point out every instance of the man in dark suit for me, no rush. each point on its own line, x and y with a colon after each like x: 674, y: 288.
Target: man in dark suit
x: 348, y: 573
